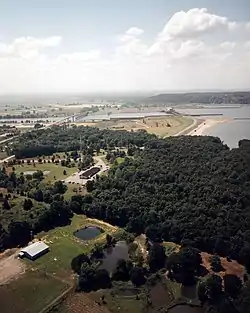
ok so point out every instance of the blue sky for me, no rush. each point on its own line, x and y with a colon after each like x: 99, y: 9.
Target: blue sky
x: 95, y: 27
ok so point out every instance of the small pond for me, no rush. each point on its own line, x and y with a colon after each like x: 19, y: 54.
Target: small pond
x: 113, y: 254
x: 88, y: 233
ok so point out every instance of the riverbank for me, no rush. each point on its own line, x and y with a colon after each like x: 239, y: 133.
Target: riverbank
x: 208, y: 123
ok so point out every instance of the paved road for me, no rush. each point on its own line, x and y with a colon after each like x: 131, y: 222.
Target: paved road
x: 75, y: 178
x: 7, y: 159
x: 184, y: 131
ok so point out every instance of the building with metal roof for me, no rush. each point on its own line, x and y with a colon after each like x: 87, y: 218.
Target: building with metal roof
x: 34, y: 250
x: 90, y: 172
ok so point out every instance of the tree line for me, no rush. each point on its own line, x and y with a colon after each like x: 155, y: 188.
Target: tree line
x: 60, y: 139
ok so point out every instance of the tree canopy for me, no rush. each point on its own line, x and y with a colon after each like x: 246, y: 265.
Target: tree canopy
x: 183, y: 189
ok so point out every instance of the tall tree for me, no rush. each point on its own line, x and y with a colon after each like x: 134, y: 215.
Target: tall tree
x: 232, y: 285
x: 156, y: 257
x: 185, y: 265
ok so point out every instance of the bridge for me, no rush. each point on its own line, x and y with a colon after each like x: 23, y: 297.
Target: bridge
x: 65, y: 120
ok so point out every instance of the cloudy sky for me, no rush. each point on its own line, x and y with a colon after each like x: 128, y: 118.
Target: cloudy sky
x: 124, y: 45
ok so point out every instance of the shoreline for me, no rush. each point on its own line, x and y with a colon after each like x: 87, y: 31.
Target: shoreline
x: 207, y: 123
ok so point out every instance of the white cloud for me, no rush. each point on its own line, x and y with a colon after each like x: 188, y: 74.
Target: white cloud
x: 189, y: 25
x: 134, y: 31
x: 227, y: 45
x: 28, y: 47
x: 180, y: 57
x: 89, y: 56
x: 131, y: 34
x: 193, y: 23
x: 248, y: 26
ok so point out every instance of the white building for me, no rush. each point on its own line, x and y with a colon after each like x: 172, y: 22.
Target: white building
x: 34, y: 250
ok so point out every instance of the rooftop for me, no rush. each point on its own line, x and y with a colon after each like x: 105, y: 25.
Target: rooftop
x: 35, y: 248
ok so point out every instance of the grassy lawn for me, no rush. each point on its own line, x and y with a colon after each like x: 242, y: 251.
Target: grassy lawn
x: 54, y: 170
x: 120, y: 160
x: 64, y: 246
x: 81, y: 190
x: 171, y: 247
x: 167, y: 126
x: 161, y: 126
x: 30, y: 293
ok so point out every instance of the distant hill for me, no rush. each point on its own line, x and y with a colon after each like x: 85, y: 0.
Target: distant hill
x: 242, y: 97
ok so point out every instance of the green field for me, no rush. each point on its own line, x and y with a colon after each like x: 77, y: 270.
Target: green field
x: 30, y: 293
x: 74, y: 189
x: 161, y: 126
x: 56, y: 171
x: 120, y: 160
x: 64, y: 246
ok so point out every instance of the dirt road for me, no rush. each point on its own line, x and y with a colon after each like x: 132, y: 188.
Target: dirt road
x: 10, y: 268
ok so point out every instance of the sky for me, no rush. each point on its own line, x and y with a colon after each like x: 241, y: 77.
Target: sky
x: 124, y: 45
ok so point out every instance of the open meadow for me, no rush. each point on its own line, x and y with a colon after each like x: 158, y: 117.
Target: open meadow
x: 160, y: 126
x: 53, y: 171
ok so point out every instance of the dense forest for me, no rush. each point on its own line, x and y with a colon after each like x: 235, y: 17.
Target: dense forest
x: 202, y: 97
x: 61, y: 139
x: 189, y: 190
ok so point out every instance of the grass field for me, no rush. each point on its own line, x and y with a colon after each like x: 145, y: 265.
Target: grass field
x: 81, y: 190
x: 55, y: 171
x: 30, y: 293
x: 120, y: 160
x: 161, y: 126
x: 64, y: 246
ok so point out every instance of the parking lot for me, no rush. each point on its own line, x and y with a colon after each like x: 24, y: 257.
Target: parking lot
x: 75, y: 178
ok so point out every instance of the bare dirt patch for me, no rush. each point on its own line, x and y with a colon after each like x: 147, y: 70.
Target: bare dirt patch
x: 230, y: 267
x: 79, y: 303
x: 10, y: 268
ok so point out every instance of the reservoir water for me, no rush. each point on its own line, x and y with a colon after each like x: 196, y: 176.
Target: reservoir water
x: 231, y: 132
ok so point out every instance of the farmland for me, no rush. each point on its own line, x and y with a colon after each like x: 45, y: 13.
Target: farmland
x: 30, y: 293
